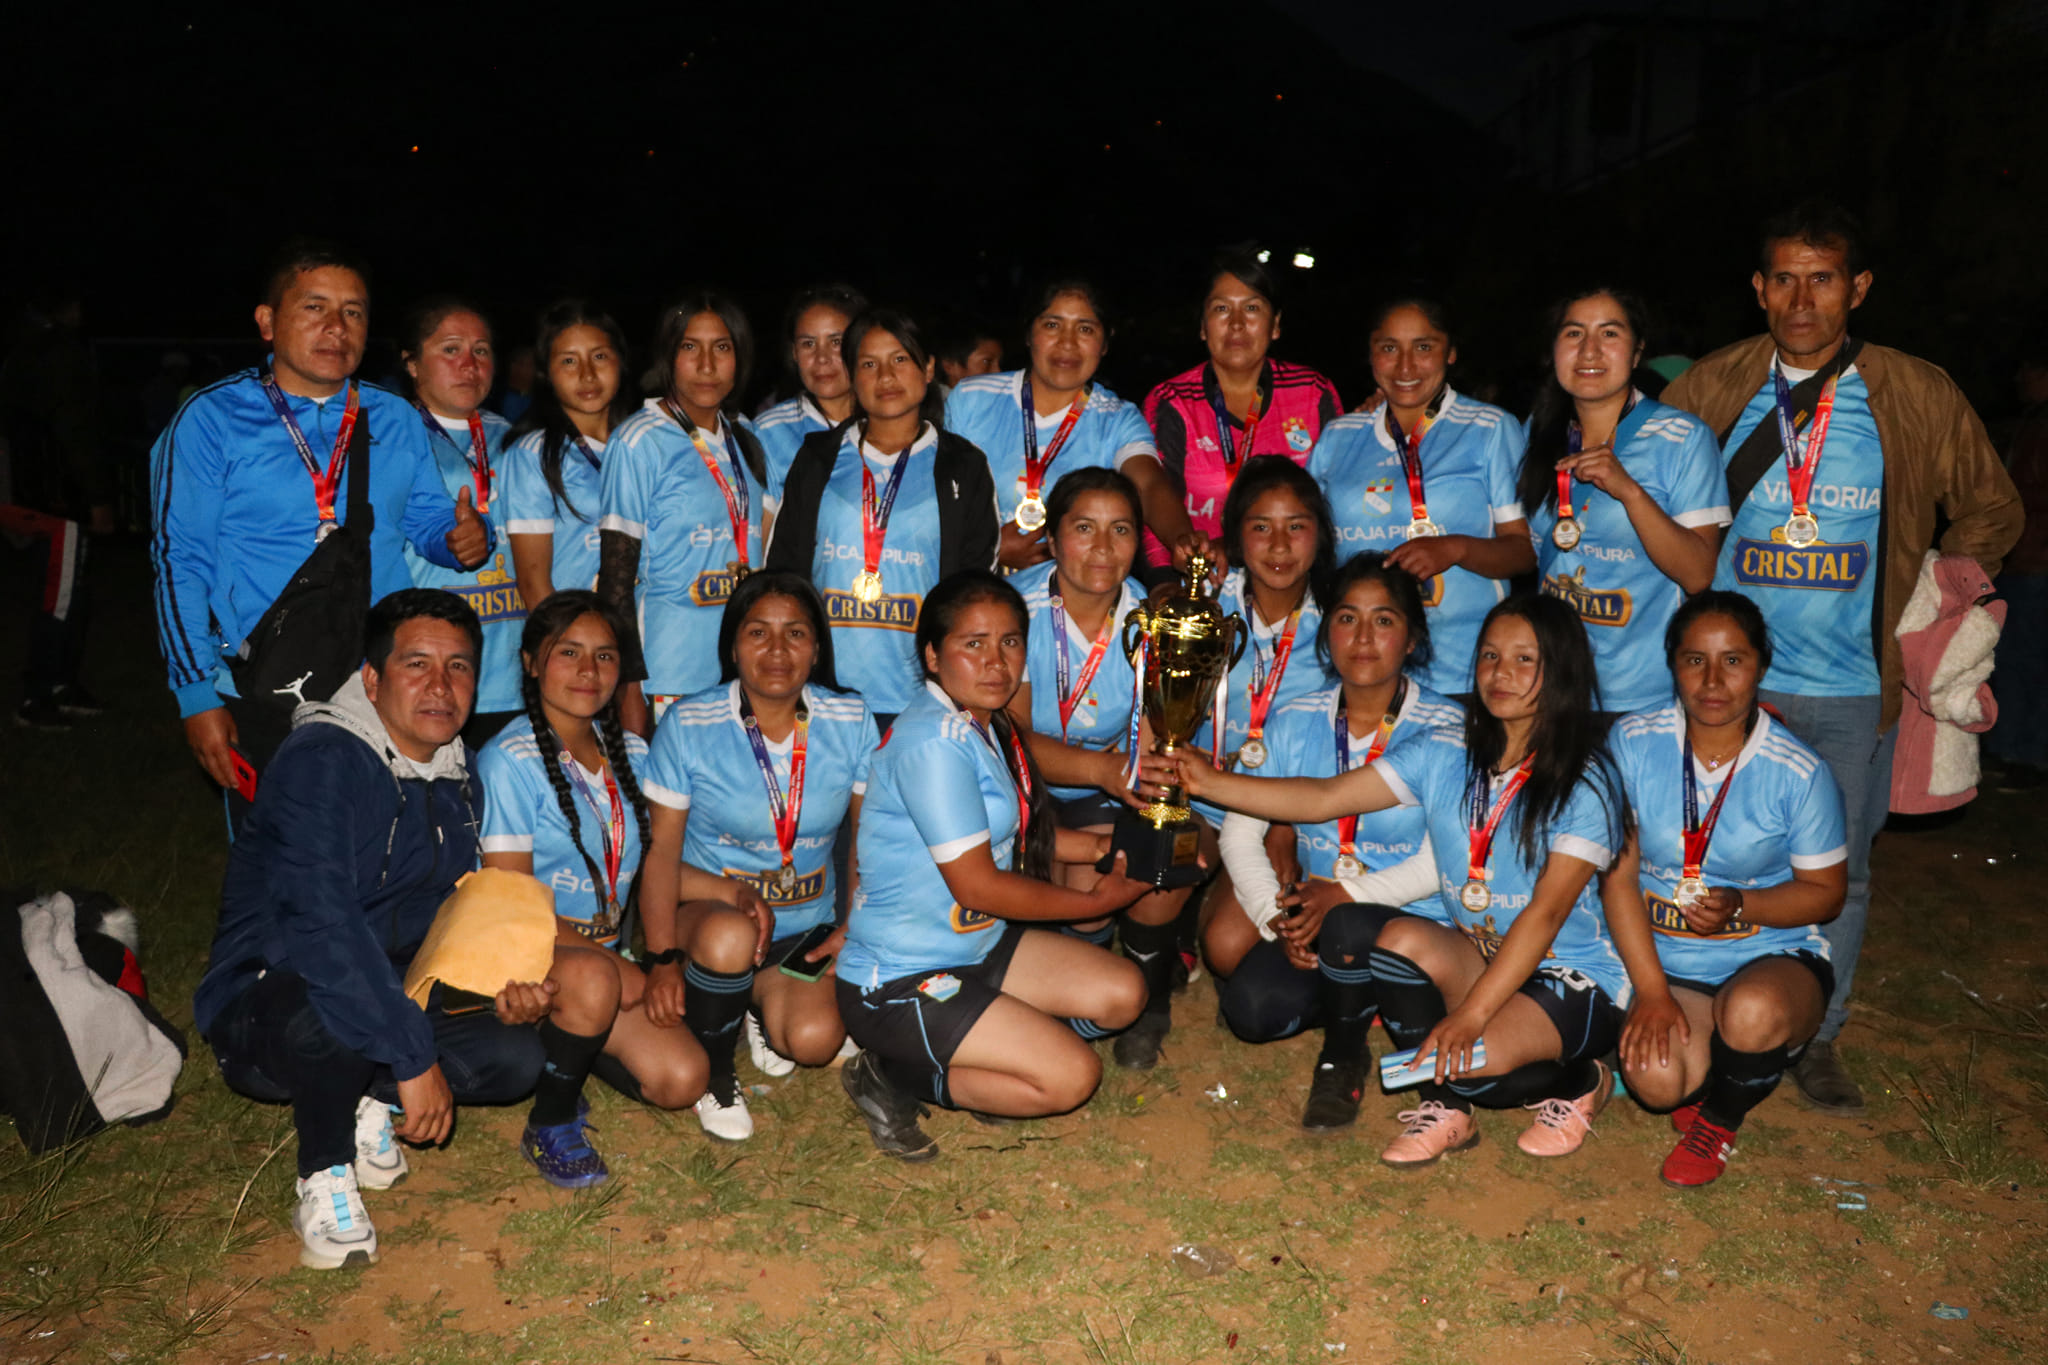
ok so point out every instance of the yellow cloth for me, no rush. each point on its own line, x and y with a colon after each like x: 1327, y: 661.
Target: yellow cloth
x: 497, y: 926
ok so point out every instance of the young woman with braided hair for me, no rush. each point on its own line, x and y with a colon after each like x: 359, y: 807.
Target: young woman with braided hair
x: 562, y: 803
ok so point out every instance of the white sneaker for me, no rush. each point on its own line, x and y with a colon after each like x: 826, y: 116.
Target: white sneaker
x: 766, y: 1059
x: 334, y: 1231
x: 380, y: 1161
x: 725, y: 1116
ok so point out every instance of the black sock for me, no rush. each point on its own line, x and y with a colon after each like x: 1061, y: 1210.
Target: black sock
x: 569, y: 1056
x: 1098, y: 936
x: 1409, y: 1002
x: 1739, y: 1081
x: 913, y: 1082
x: 1155, y: 950
x: 1348, y: 1001
x: 1443, y: 1095
x: 713, y: 1005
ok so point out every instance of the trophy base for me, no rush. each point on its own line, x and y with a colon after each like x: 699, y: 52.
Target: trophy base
x: 1160, y: 845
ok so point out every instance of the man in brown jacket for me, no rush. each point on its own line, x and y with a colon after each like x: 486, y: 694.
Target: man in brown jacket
x: 1831, y: 550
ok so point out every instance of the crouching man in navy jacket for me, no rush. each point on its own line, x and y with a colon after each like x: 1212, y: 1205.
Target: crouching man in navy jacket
x: 364, y: 821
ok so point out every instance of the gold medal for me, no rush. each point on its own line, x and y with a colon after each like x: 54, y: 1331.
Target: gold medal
x: 1801, y: 530
x: 1253, y: 754
x: 1421, y: 527
x: 1348, y: 867
x: 739, y: 570
x: 1476, y: 896
x: 867, y: 586
x: 782, y: 883
x: 1689, y: 891
x: 1565, y: 535
x: 1030, y: 513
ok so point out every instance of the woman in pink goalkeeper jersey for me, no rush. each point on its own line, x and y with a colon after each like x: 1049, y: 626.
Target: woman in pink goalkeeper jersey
x: 1240, y: 402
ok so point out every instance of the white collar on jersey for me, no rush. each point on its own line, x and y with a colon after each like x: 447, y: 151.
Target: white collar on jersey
x: 1709, y: 777
x: 1379, y: 416
x: 782, y: 746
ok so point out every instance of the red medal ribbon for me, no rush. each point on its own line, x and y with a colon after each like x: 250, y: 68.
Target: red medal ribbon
x: 734, y: 489
x: 1564, y: 494
x: 1069, y: 700
x: 786, y: 812
x: 615, y: 829
x: 1799, y: 476
x: 1484, y: 822
x: 327, y: 484
x: 1262, y: 691
x: 480, y: 464
x: 1036, y: 464
x: 1699, y: 833
x: 1410, y: 448
x: 1021, y: 780
x: 1347, y: 825
x: 874, y: 513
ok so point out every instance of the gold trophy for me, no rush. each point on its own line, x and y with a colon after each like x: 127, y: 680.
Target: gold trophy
x: 1192, y: 645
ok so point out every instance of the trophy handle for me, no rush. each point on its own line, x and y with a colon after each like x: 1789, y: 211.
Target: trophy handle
x: 1138, y: 620
x: 1239, y: 638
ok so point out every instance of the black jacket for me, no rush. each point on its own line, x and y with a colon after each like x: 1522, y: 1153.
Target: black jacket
x: 969, y: 534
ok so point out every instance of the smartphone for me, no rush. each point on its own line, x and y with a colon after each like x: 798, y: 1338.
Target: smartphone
x: 245, y: 774
x: 793, y: 963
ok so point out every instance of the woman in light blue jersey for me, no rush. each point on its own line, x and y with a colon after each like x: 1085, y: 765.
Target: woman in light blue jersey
x: 562, y: 803
x: 447, y: 351
x: 1277, y: 532
x: 750, y: 780
x: 1740, y: 854
x: 812, y: 328
x: 1079, y: 705
x: 1517, y: 990
x: 554, y: 467
x: 953, y: 1000
x: 685, y: 505
x: 1301, y: 894
x: 1626, y: 497
x: 1428, y: 477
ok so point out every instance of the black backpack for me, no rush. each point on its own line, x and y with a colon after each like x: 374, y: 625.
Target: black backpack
x: 311, y: 639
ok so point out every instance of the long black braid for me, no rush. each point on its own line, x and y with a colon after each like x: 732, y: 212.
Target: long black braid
x: 544, y: 626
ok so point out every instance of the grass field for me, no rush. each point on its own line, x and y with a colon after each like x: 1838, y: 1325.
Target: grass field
x: 1050, y: 1241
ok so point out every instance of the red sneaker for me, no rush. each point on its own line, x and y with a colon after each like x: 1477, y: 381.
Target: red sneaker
x: 1700, y: 1156
x: 1682, y: 1117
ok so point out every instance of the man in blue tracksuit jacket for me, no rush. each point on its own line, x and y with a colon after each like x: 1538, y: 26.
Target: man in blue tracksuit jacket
x: 237, y: 510
x: 367, y: 817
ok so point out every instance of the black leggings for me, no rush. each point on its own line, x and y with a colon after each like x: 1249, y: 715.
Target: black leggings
x: 1268, y: 998
x: 272, y: 1045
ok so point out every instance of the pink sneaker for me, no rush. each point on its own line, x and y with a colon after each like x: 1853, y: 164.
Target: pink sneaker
x: 1433, y: 1129
x: 1561, y: 1125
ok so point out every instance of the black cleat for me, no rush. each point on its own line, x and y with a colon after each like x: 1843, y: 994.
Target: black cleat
x: 891, y: 1115
x: 1137, y: 1047
x: 1333, y: 1096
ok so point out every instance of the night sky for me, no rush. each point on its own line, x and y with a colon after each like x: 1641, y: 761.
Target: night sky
x: 945, y: 158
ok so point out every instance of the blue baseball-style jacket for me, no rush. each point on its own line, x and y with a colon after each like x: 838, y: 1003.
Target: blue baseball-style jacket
x: 234, y: 515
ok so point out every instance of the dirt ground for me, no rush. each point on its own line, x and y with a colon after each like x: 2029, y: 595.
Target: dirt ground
x: 1829, y: 1240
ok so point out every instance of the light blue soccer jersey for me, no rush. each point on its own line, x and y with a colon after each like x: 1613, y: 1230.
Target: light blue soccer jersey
x: 781, y: 429
x: 702, y: 763
x: 490, y: 589
x: 1608, y: 578
x: 1303, y: 740
x: 522, y: 815
x: 657, y: 490
x: 1305, y: 672
x: 1433, y: 775
x: 1820, y: 596
x: 1470, y: 456
x: 938, y: 789
x: 531, y: 508
x: 1784, y: 812
x: 988, y: 409
x: 872, y: 644
x: 1102, y: 717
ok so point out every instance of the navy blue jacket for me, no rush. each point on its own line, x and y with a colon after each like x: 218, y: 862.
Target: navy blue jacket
x: 336, y: 876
